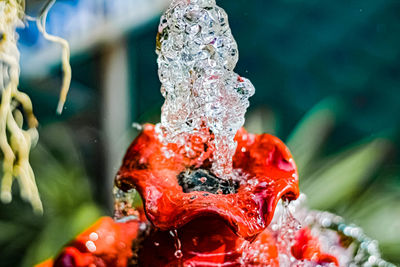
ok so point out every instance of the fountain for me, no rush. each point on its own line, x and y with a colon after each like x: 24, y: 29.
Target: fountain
x: 213, y: 194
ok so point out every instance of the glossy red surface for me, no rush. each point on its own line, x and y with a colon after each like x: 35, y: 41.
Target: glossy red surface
x: 197, y: 228
x: 206, y: 241
x: 307, y: 247
x: 106, y: 243
x: 269, y: 174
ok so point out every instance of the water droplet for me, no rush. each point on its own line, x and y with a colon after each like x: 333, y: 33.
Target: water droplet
x: 178, y: 254
x: 94, y: 236
x: 177, y: 242
x: 90, y: 246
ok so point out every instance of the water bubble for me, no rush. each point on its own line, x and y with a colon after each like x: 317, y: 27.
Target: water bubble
x: 177, y: 242
x: 91, y: 246
x: 178, y: 254
x: 93, y: 236
x: 137, y: 126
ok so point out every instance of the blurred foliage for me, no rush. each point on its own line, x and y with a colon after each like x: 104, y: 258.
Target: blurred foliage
x: 27, y: 238
x: 299, y: 52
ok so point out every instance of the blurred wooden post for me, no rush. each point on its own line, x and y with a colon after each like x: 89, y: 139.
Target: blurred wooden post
x: 116, y: 110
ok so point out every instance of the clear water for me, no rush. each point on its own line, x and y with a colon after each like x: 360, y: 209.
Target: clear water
x: 290, y: 217
x: 177, y: 242
x: 196, y: 58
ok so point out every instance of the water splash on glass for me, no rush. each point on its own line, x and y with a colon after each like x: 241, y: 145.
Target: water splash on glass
x: 286, y: 231
x: 346, y: 242
x: 196, y: 58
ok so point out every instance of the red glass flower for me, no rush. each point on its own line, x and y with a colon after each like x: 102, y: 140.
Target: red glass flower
x: 195, y: 217
x: 307, y: 247
x: 268, y: 173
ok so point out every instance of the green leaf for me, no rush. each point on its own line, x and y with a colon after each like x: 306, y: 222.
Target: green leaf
x: 344, y: 174
x: 260, y: 121
x: 306, y: 140
x: 68, y: 204
x: 8, y: 231
x: 59, y: 231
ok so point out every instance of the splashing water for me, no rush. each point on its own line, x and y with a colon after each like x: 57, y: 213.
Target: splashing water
x: 196, y: 57
x: 332, y: 232
x: 291, y: 217
x: 288, y: 227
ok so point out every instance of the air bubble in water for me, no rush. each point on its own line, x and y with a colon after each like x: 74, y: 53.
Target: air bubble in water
x: 287, y: 230
x: 178, y: 254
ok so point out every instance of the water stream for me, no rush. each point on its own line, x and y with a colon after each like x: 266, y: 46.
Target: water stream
x: 196, y: 58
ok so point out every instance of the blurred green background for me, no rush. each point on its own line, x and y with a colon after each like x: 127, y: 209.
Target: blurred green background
x: 327, y: 78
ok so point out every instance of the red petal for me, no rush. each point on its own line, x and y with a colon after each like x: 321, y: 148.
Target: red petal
x: 307, y: 247
x: 106, y: 243
x: 207, y: 241
x: 270, y: 174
